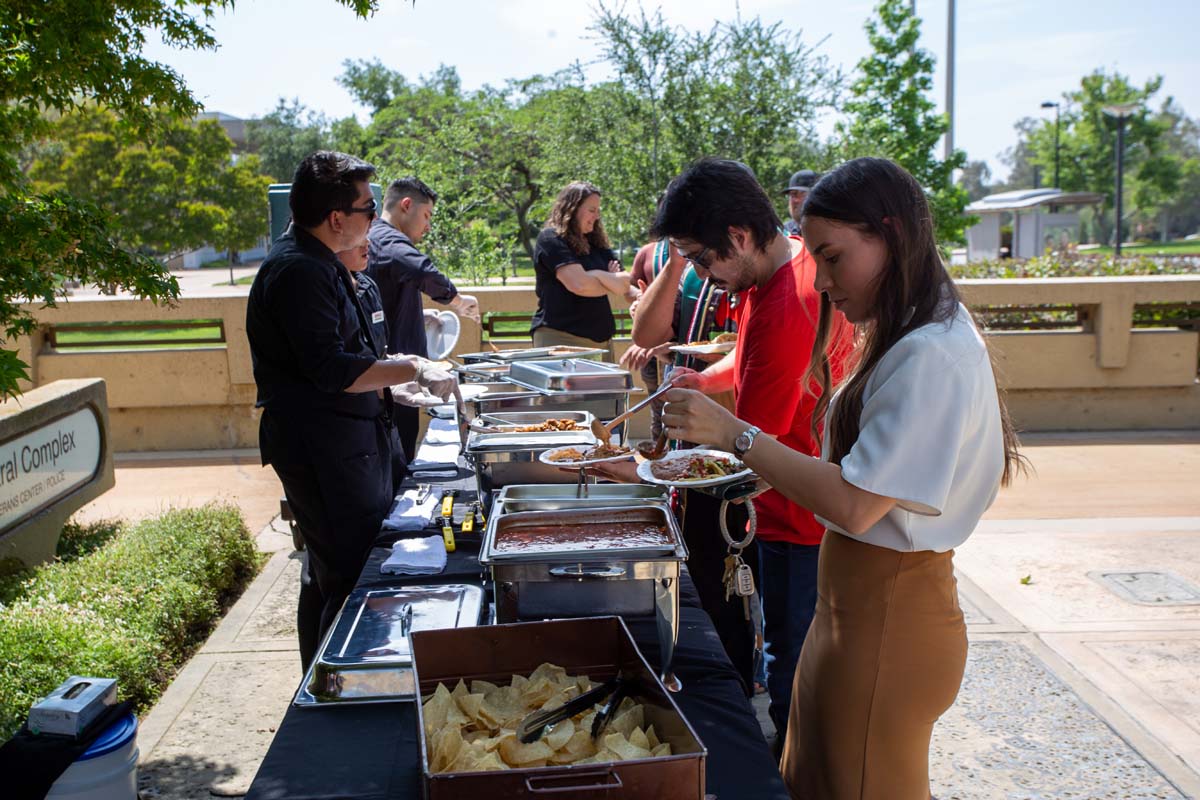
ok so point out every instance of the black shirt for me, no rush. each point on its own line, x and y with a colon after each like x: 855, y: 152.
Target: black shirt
x: 402, y: 273
x: 372, y: 306
x: 559, y: 307
x: 307, y: 334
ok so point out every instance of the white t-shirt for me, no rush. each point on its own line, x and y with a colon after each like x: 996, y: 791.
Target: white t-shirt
x: 930, y: 436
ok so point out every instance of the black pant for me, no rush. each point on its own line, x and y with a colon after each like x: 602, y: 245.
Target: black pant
x: 408, y: 423
x: 706, y: 563
x: 337, y: 477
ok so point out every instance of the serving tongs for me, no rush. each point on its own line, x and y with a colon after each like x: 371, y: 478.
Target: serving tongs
x: 603, y: 430
x: 615, y: 689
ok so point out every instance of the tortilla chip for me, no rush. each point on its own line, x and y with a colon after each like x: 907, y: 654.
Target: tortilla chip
x: 515, y: 753
x: 436, y: 709
x: 624, y: 748
x: 483, y: 687
x: 638, y: 739
x: 663, y: 749
x: 625, y: 721
x: 558, y: 736
x: 447, y: 745
x: 551, y: 672
x: 490, y: 762
x: 652, y: 738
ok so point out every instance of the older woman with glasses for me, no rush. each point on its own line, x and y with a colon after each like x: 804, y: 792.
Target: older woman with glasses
x: 576, y: 271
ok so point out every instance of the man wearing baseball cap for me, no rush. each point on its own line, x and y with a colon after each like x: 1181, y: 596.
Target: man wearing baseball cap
x: 796, y: 191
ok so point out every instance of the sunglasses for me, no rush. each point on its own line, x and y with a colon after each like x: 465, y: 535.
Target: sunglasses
x: 697, y: 259
x: 369, y: 209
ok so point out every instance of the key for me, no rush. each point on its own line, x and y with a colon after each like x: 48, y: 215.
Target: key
x: 727, y: 577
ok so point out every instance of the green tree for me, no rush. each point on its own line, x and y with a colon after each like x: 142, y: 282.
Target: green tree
x: 1087, y: 146
x: 56, y: 56
x: 171, y: 190
x: 285, y: 135
x: 974, y: 180
x: 890, y: 114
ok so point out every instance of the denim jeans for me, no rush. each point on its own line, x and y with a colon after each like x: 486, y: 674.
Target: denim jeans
x: 788, y: 574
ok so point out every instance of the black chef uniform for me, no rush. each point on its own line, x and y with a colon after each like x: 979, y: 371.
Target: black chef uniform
x: 309, y: 340
x: 372, y: 306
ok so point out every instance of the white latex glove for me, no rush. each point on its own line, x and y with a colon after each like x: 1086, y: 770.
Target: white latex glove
x: 466, y: 305
x: 411, y: 394
x: 439, y: 382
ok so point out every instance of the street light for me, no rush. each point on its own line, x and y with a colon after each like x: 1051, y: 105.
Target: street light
x: 1055, y: 106
x: 1120, y: 112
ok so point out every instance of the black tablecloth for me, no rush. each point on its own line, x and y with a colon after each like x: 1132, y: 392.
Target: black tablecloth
x: 371, y: 751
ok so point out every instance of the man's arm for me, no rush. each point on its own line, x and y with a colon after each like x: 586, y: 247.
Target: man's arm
x: 656, y: 308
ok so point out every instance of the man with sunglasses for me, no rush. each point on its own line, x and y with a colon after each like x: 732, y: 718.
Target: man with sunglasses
x: 722, y: 221
x: 323, y: 384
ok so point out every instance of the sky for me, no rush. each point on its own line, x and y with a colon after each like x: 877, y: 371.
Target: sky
x: 1011, y: 54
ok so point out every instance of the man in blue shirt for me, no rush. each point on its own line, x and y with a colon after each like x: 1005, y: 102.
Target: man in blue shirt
x: 402, y: 273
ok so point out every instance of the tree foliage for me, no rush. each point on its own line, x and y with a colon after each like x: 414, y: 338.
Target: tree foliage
x: 165, y: 192
x: 890, y: 114
x: 57, y: 55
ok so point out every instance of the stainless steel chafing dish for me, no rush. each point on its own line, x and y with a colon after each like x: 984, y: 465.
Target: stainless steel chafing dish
x: 487, y: 398
x: 543, y: 581
x: 556, y: 496
x: 570, y: 375
x: 366, y: 657
x: 502, y: 458
x: 482, y: 372
x: 526, y: 353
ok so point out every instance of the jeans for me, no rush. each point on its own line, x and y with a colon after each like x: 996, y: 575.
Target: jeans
x: 788, y: 574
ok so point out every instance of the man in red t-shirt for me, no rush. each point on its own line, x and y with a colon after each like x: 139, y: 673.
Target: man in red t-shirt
x: 719, y: 218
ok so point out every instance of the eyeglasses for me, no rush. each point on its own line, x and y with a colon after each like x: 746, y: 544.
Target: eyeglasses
x: 697, y: 259
x: 369, y: 209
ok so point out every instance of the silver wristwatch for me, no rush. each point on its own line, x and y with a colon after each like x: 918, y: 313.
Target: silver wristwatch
x: 745, y: 440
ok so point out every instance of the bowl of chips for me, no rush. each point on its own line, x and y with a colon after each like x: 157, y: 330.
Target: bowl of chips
x: 471, y: 707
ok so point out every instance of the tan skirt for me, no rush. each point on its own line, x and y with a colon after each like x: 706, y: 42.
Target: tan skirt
x: 552, y: 337
x: 882, y: 661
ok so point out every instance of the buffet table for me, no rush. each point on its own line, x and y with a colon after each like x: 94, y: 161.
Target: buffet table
x: 371, y: 751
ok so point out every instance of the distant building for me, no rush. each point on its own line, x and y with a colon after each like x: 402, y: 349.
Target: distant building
x: 235, y: 127
x: 1037, y: 221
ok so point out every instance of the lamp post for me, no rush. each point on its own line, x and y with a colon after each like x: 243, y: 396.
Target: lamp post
x: 1055, y: 106
x: 1121, y: 113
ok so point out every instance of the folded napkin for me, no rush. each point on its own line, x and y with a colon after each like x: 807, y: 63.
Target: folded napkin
x: 425, y: 556
x: 429, y: 453
x: 442, y: 431
x: 409, y: 515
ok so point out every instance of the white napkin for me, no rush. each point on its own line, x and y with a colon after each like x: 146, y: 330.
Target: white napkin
x: 408, y: 515
x: 430, y: 453
x: 425, y: 556
x: 442, y: 431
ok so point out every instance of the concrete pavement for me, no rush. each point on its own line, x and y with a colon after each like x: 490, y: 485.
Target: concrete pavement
x: 1082, y: 680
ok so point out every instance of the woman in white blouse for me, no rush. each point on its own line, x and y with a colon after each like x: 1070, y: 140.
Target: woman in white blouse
x: 916, y: 444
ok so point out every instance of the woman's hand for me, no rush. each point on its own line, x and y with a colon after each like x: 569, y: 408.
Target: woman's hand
x: 692, y: 417
x: 687, y: 378
x: 635, y: 358
x: 618, y: 471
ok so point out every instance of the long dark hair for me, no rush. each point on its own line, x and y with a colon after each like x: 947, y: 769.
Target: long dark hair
x: 879, y: 198
x: 562, y: 219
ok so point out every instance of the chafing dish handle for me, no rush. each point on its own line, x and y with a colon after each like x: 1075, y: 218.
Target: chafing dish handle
x: 581, y: 571
x: 583, y: 782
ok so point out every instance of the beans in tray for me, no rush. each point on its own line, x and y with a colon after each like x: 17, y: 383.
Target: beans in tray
x: 472, y: 729
x: 599, y: 535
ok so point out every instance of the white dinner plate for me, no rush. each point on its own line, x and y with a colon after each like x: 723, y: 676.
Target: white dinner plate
x: 544, y: 457
x: 645, y: 474
x: 712, y: 348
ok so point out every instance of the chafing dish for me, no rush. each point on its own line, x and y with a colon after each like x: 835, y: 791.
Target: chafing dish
x: 570, y: 375
x: 486, y: 398
x: 365, y: 658
x: 503, y: 458
x: 540, y: 581
x: 527, y: 497
x: 502, y: 419
x: 482, y: 372
x: 599, y: 647
x: 527, y: 353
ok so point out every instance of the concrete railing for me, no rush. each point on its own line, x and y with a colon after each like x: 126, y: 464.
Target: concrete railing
x: 1105, y: 375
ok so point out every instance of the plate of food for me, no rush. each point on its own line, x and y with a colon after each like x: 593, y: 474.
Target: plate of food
x: 693, y: 469
x: 580, y: 456
x: 722, y: 343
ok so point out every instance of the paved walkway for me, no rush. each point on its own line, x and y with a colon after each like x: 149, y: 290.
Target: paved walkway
x: 1082, y: 679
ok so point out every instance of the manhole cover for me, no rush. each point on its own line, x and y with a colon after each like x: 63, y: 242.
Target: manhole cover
x: 1149, y: 588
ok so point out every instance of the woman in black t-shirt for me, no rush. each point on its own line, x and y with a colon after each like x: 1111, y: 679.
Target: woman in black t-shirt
x: 576, y: 271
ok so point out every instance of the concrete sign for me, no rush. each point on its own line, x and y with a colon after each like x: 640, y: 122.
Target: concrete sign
x: 47, y: 463
x: 55, y: 457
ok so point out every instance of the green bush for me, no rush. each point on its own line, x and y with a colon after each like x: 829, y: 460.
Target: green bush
x: 1071, y: 264
x: 77, y: 540
x: 133, y: 609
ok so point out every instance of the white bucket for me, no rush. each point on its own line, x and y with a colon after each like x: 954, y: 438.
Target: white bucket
x: 107, y: 770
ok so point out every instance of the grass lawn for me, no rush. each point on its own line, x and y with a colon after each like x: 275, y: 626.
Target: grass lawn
x: 1176, y: 248
x: 125, y: 335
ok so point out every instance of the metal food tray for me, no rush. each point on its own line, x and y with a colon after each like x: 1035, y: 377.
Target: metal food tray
x: 482, y: 372
x: 501, y: 419
x: 551, y: 496
x: 521, y: 441
x: 366, y: 657
x: 529, y: 353
x: 548, y: 513
x: 571, y: 375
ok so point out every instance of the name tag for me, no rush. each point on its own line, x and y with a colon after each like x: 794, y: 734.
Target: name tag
x: 377, y: 317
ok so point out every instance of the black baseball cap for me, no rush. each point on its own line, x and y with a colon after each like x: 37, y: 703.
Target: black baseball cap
x: 805, y: 179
